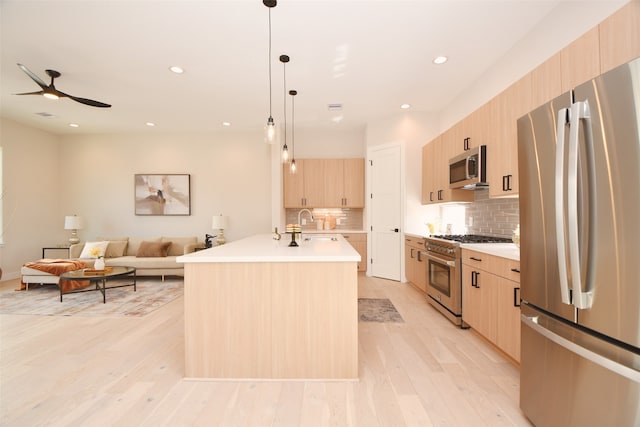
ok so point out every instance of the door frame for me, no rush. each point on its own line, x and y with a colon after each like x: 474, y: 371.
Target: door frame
x: 367, y: 207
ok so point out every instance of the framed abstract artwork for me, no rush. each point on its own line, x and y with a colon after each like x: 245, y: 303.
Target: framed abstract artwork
x: 162, y: 194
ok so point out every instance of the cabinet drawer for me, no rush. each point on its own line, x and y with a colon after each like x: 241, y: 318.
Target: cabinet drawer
x: 509, y: 269
x: 476, y: 259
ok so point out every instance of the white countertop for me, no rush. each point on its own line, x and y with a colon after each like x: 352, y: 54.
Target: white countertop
x: 504, y: 250
x: 333, y: 231
x: 262, y: 248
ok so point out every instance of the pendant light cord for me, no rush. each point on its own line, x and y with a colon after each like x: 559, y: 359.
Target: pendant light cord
x: 284, y: 73
x: 270, y: 115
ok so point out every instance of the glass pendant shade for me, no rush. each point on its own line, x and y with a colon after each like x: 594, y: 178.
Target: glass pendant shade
x: 293, y: 167
x: 270, y: 131
x: 285, y: 153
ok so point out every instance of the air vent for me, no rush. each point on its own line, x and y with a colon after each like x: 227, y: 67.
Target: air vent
x: 334, y: 107
x: 45, y: 114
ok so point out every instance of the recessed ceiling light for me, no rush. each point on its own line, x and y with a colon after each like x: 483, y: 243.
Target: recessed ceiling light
x: 150, y: 124
x: 176, y: 69
x: 74, y: 125
x: 405, y: 106
x: 440, y: 60
x: 334, y: 107
x: 226, y: 123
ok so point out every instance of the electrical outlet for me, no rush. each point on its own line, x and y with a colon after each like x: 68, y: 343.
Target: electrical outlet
x: 470, y: 221
x: 338, y: 221
x: 304, y: 221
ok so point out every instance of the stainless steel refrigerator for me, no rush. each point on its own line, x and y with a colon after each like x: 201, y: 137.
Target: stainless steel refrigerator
x: 579, y: 166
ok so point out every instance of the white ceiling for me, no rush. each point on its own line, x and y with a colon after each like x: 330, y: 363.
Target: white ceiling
x: 370, y: 56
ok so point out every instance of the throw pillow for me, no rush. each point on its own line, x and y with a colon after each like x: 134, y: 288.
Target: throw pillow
x: 116, y: 249
x: 153, y: 249
x: 88, y: 251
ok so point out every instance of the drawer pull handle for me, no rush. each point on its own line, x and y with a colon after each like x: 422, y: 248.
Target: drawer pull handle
x: 516, y: 297
x: 475, y: 259
x: 516, y: 270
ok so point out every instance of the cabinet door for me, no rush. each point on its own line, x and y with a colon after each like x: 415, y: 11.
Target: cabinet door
x: 502, y: 153
x: 314, y: 183
x: 428, y: 172
x: 620, y: 37
x: 508, y: 317
x: 293, y: 186
x: 353, y: 183
x: 546, y: 81
x: 333, y: 188
x: 409, y: 261
x: 359, y: 243
x: 420, y: 269
x: 479, y: 302
x: 580, y: 61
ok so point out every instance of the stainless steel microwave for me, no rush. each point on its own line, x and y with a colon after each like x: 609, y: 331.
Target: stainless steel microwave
x: 468, y: 170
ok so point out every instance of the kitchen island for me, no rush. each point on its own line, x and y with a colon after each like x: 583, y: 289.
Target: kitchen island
x: 259, y: 309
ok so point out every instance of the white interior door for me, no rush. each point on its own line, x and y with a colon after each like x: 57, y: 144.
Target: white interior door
x: 385, y: 204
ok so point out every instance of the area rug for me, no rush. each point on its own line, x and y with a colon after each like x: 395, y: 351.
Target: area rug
x: 150, y: 295
x: 377, y: 310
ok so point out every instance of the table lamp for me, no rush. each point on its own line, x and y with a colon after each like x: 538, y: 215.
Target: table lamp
x: 220, y: 223
x: 73, y: 223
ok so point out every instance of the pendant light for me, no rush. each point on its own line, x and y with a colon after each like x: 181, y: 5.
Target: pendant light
x: 293, y: 168
x: 285, y: 150
x: 270, y: 128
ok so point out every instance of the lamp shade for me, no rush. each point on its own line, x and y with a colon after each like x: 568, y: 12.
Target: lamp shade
x: 72, y: 222
x: 219, y: 222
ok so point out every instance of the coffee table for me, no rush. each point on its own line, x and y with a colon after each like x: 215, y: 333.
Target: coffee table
x: 100, y: 280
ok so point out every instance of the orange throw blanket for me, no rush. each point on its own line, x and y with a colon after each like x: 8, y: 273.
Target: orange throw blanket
x: 57, y: 267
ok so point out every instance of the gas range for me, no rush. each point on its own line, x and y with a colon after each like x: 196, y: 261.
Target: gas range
x: 444, y: 275
x: 448, y: 244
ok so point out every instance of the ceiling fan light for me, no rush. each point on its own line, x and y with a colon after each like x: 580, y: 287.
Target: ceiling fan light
x: 50, y: 95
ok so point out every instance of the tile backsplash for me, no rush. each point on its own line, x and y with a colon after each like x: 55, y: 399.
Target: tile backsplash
x: 350, y: 219
x: 492, y: 217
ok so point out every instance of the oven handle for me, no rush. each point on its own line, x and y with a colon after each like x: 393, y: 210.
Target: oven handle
x: 449, y: 262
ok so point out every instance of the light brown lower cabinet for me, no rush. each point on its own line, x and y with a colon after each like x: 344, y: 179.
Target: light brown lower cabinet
x: 415, y: 263
x: 359, y: 243
x: 491, y: 299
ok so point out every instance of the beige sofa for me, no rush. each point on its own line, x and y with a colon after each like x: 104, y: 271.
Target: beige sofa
x: 129, y: 254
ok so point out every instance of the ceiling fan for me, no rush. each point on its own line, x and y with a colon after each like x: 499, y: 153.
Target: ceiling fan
x: 50, y: 91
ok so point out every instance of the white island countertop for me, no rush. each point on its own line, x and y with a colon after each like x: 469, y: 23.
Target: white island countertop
x: 504, y: 250
x: 262, y: 248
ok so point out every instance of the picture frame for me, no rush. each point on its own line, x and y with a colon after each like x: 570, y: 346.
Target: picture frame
x: 162, y: 194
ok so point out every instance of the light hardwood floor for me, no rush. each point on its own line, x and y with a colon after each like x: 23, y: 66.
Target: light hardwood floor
x: 67, y: 371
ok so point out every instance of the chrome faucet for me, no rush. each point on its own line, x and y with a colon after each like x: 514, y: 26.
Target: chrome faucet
x: 300, y: 215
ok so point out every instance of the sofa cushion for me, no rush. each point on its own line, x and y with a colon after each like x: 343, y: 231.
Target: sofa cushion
x: 116, y: 248
x: 94, y: 249
x: 134, y: 244
x: 166, y: 263
x: 153, y: 249
x: 178, y: 244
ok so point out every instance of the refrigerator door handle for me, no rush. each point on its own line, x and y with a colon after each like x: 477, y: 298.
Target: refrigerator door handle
x: 563, y: 121
x: 579, y: 112
x: 625, y: 371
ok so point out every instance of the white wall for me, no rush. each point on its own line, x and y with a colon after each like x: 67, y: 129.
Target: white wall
x: 32, y: 195
x: 412, y: 131
x: 230, y: 174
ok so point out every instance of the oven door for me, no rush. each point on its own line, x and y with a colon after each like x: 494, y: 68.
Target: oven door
x: 443, y: 283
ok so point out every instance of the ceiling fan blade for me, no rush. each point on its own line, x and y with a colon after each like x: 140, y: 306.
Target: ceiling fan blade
x: 40, y: 92
x: 85, y: 101
x: 33, y: 76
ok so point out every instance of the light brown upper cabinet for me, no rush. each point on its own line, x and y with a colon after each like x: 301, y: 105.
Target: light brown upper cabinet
x: 580, y: 61
x: 435, y: 170
x: 325, y: 183
x: 304, y: 189
x: 502, y: 149
x: 546, y: 81
x: 620, y: 37
x: 344, y: 183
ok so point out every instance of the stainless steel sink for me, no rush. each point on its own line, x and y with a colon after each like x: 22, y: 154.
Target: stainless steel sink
x: 323, y: 238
